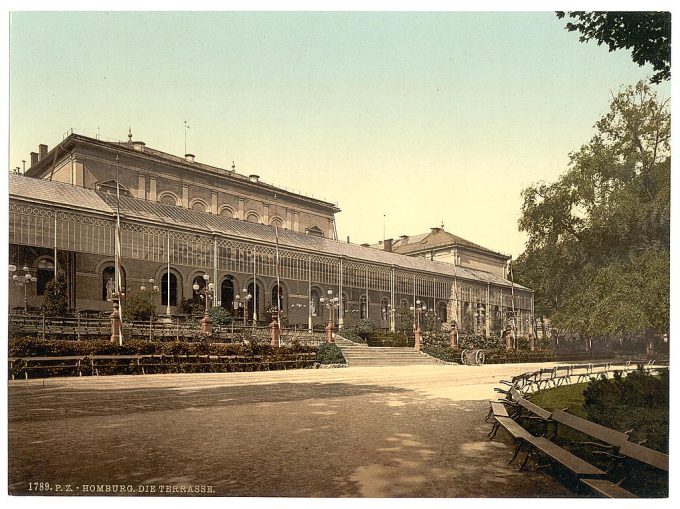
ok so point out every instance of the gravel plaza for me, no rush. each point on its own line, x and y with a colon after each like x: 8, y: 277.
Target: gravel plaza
x: 408, y: 431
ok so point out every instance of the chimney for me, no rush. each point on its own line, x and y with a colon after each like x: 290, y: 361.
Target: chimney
x: 404, y: 239
x: 34, y: 158
x: 42, y: 150
x: 436, y: 229
x: 254, y: 178
x: 189, y: 158
x: 387, y: 245
x: 348, y: 239
x: 138, y: 145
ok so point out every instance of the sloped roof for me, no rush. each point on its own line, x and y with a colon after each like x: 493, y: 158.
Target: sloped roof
x: 133, y: 208
x: 437, y: 238
x: 45, y: 191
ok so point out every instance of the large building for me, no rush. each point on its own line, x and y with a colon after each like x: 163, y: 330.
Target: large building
x: 181, y: 219
x: 442, y: 246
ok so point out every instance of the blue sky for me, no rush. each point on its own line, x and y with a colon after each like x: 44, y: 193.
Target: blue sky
x: 425, y: 117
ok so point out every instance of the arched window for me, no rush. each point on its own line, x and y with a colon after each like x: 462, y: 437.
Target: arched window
x: 277, y: 297
x: 199, y: 206
x: 441, y: 312
x: 252, y: 217
x: 45, y: 274
x: 276, y: 222
x: 168, y: 199
x: 254, y: 302
x: 196, y: 294
x: 109, y: 281
x: 227, y: 293
x: 314, y: 303
x: 363, y: 309
x: 384, y: 313
x: 173, y: 289
x: 226, y: 212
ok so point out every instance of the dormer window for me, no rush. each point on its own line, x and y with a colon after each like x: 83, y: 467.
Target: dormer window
x: 109, y: 186
x: 314, y: 231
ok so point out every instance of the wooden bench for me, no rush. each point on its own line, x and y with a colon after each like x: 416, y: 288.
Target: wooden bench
x: 644, y: 455
x: 606, y: 488
x: 538, y: 413
x: 609, y: 437
x: 27, y: 364
x: 114, y: 361
x: 576, y: 466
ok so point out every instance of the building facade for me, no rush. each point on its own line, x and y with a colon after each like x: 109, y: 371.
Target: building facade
x: 440, y: 245
x: 67, y: 224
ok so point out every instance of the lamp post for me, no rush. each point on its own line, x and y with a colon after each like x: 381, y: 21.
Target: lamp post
x: 244, y: 305
x: 206, y: 293
x: 22, y: 280
x: 331, y: 303
x: 418, y: 309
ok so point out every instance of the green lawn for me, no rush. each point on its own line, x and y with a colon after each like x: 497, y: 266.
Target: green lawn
x: 567, y: 396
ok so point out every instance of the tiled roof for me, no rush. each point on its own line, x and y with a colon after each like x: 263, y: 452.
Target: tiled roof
x: 436, y: 239
x: 171, y: 215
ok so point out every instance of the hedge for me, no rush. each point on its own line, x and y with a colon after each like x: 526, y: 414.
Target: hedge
x: 27, y: 347
x: 387, y: 339
x: 492, y: 356
x: 330, y: 353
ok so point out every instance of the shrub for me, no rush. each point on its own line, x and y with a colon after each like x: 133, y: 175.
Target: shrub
x: 365, y: 328
x: 140, y: 306
x: 638, y: 402
x: 55, y: 302
x: 330, y: 353
x: 389, y: 339
x: 219, y: 315
x: 351, y: 334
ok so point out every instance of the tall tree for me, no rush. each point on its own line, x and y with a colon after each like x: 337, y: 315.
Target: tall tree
x: 599, y: 237
x: 648, y: 34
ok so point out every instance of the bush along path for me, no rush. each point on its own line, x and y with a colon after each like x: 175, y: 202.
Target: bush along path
x: 46, y: 358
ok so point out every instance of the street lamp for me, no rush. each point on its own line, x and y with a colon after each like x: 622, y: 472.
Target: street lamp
x: 152, y: 284
x: 244, y: 305
x: 331, y: 303
x: 418, y: 309
x: 22, y: 280
x: 206, y: 293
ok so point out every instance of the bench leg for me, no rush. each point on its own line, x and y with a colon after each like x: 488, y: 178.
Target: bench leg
x: 518, y: 448
x: 494, y: 430
x: 489, y: 414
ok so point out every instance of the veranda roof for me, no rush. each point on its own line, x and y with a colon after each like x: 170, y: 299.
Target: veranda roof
x: 73, y: 197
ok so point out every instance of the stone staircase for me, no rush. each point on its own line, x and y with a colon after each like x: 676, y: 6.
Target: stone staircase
x: 358, y: 354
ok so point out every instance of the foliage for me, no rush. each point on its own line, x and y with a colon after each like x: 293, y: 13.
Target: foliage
x: 492, y: 356
x: 350, y: 334
x: 219, y: 315
x: 599, y: 237
x: 365, y: 328
x: 31, y: 347
x: 404, y: 318
x: 647, y: 33
x: 329, y: 353
x: 389, y: 339
x: 55, y: 302
x: 140, y: 306
x: 638, y: 401
x: 474, y: 342
x: 190, y: 307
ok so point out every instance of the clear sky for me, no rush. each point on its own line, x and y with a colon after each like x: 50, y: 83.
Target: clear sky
x: 425, y: 117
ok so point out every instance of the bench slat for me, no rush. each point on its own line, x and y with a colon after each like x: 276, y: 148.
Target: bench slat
x: 499, y: 409
x: 513, y: 428
x: 573, y: 463
x: 645, y: 455
x: 602, y: 433
x: 607, y: 488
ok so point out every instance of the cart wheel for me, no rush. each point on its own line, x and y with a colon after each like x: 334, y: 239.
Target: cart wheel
x: 463, y: 357
x: 480, y: 357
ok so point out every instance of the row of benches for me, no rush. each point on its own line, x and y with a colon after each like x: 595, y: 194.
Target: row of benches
x: 560, y: 375
x: 141, y: 364
x: 613, y: 444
